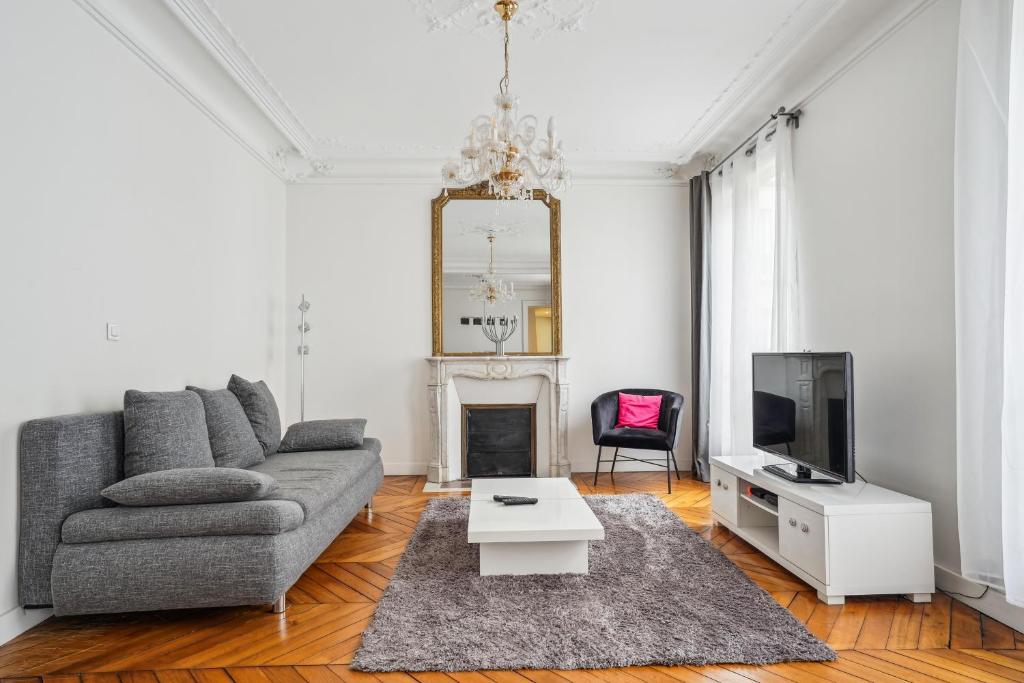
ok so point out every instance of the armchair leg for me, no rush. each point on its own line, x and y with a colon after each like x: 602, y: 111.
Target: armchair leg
x: 668, y: 470
x: 614, y: 459
x: 597, y: 467
x: 676, y: 465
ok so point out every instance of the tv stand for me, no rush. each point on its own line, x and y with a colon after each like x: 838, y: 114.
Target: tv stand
x: 804, y: 475
x: 851, y: 539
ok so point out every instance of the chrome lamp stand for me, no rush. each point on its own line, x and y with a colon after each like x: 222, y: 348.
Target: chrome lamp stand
x: 303, y: 352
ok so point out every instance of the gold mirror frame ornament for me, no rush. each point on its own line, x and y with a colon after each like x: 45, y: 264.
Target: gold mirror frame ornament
x: 480, y: 192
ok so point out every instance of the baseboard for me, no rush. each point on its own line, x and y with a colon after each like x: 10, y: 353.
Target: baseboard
x: 989, y: 602
x: 405, y: 468
x: 16, y: 621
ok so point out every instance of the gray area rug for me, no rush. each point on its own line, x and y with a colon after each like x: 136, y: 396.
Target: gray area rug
x: 657, y: 593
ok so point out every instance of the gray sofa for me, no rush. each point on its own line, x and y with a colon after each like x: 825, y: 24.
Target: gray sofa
x: 82, y: 554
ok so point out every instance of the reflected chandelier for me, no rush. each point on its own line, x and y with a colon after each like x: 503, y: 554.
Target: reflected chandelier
x: 491, y: 289
x: 503, y: 149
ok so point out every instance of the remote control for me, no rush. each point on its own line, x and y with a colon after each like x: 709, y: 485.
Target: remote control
x: 518, y: 500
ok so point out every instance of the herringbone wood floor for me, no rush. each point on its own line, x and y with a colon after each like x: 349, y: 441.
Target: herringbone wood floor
x: 879, y: 639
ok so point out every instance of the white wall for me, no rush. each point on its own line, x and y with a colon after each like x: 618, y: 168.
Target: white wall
x: 874, y: 167
x: 361, y: 254
x: 120, y: 202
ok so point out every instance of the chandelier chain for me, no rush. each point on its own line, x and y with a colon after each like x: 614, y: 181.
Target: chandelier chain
x: 503, y: 83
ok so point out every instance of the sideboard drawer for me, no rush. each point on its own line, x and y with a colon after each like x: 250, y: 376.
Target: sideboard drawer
x: 803, y: 539
x: 723, y: 494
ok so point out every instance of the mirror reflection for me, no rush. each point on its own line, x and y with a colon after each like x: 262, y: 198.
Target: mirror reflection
x: 496, y: 277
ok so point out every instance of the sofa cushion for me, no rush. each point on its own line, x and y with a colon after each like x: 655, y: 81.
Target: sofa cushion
x: 191, y: 487
x: 261, y: 409
x: 314, y: 479
x: 232, y: 438
x: 323, y: 435
x: 164, y: 430
x: 260, y: 517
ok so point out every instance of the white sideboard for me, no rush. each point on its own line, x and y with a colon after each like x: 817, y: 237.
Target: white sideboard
x: 853, y: 539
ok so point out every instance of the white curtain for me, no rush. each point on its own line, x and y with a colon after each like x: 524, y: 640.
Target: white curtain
x: 989, y: 271
x: 754, y: 288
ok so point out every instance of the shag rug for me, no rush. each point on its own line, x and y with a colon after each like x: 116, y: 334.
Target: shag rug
x: 657, y: 593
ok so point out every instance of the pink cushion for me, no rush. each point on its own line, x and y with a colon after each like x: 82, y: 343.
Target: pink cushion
x: 639, y: 411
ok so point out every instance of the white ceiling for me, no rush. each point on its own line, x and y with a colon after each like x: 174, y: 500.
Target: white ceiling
x: 629, y: 81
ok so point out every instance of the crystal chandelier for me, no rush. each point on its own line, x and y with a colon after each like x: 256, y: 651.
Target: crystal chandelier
x: 491, y: 288
x: 503, y: 149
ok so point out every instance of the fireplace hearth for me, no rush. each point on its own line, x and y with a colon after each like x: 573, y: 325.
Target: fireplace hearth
x: 499, y: 440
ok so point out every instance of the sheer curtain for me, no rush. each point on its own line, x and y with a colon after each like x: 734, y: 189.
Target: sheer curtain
x: 989, y: 271
x: 754, y: 301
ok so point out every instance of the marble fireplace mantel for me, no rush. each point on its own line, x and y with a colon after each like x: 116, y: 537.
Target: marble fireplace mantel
x: 506, y: 379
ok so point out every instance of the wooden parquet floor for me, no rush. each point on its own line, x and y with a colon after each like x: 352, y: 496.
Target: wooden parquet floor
x: 879, y: 639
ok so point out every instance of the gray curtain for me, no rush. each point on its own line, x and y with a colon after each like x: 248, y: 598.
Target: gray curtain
x: 700, y: 293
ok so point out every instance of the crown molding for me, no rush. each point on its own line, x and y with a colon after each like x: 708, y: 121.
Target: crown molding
x: 298, y: 170
x: 204, y: 22
x: 807, y: 18
x: 813, y: 64
x: 160, y: 41
x: 190, y: 47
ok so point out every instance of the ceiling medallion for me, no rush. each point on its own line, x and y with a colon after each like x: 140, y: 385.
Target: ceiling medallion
x: 503, y: 150
x: 535, y: 17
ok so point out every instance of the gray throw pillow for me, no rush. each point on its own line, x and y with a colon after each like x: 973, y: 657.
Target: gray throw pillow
x: 232, y: 439
x: 164, y: 430
x: 323, y: 435
x: 261, y: 409
x: 191, y: 486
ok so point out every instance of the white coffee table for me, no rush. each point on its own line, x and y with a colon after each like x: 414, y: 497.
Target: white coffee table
x: 551, y: 537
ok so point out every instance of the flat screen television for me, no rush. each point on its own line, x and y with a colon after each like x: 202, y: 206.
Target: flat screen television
x: 803, y: 412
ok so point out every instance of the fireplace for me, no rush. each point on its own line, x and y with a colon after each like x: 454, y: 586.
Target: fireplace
x: 499, y: 440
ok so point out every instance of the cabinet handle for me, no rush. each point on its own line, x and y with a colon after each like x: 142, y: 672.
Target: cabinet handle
x: 725, y: 486
x: 792, y: 521
x: 804, y: 528
x: 718, y: 482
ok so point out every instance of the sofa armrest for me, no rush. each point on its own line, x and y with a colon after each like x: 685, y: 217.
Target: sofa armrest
x: 64, y: 464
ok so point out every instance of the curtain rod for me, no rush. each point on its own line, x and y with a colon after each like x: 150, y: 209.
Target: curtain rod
x: 790, y: 116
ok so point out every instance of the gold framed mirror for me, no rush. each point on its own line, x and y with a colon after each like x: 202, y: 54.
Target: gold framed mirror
x: 496, y: 266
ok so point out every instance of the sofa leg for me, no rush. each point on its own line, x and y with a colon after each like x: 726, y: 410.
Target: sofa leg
x: 597, y: 467
x: 369, y: 505
x: 279, y: 606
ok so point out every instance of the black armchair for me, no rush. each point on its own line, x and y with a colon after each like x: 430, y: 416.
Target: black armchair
x: 604, y: 414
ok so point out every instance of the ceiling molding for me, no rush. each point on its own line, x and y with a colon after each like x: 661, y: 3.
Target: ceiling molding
x: 801, y: 23
x: 812, y: 68
x: 864, y: 47
x: 137, y: 25
x: 536, y: 18
x: 296, y: 169
x: 204, y: 22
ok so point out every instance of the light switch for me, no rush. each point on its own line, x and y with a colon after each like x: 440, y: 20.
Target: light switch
x: 113, y: 332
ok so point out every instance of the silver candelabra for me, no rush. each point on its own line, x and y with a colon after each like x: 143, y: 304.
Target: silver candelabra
x: 303, y: 352
x: 499, y: 330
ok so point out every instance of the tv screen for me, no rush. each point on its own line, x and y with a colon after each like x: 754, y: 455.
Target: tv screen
x: 803, y: 410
